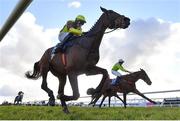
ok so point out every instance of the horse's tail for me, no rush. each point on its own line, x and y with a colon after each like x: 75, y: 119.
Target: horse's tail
x: 36, y: 73
x: 90, y: 91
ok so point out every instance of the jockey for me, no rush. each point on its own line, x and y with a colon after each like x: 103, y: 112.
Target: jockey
x: 115, y: 68
x: 71, y: 28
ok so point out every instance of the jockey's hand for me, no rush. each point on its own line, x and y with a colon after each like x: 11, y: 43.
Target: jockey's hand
x: 85, y: 33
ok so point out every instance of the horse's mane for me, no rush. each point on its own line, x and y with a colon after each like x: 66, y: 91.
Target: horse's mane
x: 94, y: 28
x: 92, y: 31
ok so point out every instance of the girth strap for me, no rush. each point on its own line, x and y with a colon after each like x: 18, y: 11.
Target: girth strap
x: 63, y: 59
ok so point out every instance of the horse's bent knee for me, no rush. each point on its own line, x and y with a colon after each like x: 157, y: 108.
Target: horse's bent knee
x: 43, y: 86
x: 76, y: 96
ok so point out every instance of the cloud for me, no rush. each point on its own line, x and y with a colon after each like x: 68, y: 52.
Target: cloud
x: 24, y: 44
x: 151, y: 44
x: 139, y: 39
x: 75, y: 4
x: 6, y: 90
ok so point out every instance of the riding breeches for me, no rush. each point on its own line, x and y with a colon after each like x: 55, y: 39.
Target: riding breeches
x: 116, y: 73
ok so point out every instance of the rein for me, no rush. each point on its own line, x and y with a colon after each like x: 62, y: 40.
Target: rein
x: 110, y: 31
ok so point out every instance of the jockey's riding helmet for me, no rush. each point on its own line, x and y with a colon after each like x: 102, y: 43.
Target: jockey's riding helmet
x: 121, y: 61
x: 81, y: 18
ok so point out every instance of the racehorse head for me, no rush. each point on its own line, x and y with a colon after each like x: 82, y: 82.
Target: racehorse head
x: 145, y: 77
x: 115, y: 20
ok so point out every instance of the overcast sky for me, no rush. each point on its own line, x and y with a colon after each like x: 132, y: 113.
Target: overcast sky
x: 151, y: 42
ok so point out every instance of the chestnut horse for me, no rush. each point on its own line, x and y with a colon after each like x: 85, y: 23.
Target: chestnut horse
x: 126, y: 85
x: 81, y: 58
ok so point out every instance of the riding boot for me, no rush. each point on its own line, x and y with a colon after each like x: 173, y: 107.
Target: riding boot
x: 118, y: 80
x: 60, y: 47
x: 63, y: 43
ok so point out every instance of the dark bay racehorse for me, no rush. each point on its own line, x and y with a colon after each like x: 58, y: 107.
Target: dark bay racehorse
x: 126, y: 85
x: 81, y: 58
x: 18, y: 99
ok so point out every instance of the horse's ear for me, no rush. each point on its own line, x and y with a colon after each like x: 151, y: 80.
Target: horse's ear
x: 104, y: 10
x: 141, y: 69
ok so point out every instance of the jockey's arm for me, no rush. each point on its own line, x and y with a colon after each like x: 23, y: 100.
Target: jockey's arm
x: 72, y: 30
x: 123, y: 69
x: 75, y: 31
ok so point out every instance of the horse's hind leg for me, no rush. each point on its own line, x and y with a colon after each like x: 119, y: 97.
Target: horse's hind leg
x: 45, y: 88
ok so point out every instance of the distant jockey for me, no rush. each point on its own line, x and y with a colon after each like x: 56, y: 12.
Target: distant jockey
x: 115, y: 68
x: 70, y: 29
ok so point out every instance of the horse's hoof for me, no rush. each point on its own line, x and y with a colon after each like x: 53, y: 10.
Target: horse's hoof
x: 66, y: 111
x: 90, y: 103
x: 51, y: 102
x: 154, y: 102
x: 58, y: 96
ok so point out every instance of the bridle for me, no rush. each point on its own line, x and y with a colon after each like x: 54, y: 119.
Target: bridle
x: 111, y: 31
x: 112, y: 23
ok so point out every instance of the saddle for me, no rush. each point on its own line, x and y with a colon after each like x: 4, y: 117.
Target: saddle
x: 116, y: 81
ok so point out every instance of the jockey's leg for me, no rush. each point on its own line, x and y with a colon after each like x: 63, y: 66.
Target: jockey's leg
x: 62, y: 43
x: 60, y: 46
x: 118, y: 77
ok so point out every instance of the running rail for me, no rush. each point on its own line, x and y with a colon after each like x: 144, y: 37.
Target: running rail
x: 14, y: 16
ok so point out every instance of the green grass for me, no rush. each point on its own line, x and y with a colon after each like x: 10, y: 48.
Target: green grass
x: 89, y: 113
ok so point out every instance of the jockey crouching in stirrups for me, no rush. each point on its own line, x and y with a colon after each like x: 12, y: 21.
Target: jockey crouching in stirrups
x: 72, y: 28
x: 115, y: 68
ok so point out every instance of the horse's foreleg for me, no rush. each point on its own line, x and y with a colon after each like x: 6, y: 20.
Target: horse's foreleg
x: 74, y: 86
x: 109, y: 101
x: 119, y: 98
x: 62, y: 82
x: 102, y: 101
x: 97, y: 70
x: 45, y: 88
x: 124, y: 96
x: 140, y: 94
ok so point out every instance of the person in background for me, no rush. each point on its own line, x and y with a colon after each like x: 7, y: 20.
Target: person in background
x: 115, y: 68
